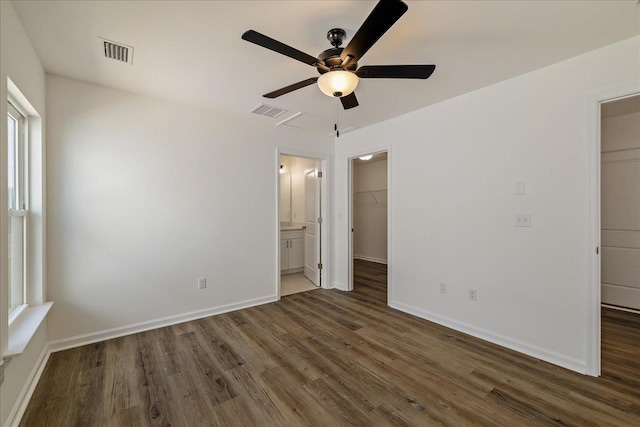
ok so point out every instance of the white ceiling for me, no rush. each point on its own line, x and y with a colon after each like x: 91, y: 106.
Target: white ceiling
x: 192, y: 53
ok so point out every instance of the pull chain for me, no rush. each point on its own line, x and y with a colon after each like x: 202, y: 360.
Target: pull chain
x: 336, y: 126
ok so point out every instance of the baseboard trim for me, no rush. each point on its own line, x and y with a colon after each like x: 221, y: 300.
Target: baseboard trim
x: 371, y: 259
x: 80, y: 340
x: 561, y: 360
x: 15, y: 416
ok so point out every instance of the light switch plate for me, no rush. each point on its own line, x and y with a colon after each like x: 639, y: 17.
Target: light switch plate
x: 519, y: 188
x: 523, y: 220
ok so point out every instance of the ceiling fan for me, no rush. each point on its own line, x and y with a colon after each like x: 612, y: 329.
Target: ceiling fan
x: 338, y: 67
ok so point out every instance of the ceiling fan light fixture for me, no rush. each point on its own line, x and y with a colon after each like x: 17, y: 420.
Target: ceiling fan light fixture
x: 338, y: 83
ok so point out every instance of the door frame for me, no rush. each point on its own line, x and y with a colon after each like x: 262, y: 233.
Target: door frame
x: 350, y: 157
x: 593, y: 294
x: 324, y: 167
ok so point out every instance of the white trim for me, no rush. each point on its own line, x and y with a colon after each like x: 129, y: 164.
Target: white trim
x: 15, y: 313
x: 593, y: 297
x: 15, y: 416
x: 370, y: 258
x: 23, y: 327
x: 278, y: 231
x: 519, y: 346
x: 84, y: 339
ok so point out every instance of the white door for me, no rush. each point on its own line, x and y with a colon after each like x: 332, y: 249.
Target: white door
x: 313, y: 224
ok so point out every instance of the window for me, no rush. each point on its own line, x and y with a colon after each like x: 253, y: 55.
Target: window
x: 18, y: 209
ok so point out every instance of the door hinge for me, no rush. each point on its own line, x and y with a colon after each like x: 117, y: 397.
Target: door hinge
x: 320, y: 266
x: 320, y: 174
x: 597, y: 250
x: 320, y: 220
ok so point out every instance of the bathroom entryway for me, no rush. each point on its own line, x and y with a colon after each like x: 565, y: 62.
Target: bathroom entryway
x: 300, y: 224
x: 295, y: 283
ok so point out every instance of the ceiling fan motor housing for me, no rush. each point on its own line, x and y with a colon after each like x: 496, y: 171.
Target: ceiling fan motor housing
x: 331, y: 58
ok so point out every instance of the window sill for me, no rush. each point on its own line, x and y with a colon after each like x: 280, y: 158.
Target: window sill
x: 24, y: 327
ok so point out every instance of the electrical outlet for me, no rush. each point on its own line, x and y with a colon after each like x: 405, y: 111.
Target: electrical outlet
x: 202, y: 283
x: 523, y: 220
x: 473, y: 295
x: 443, y: 288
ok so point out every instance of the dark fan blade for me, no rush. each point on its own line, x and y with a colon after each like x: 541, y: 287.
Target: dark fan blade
x: 395, y: 71
x: 349, y: 101
x: 381, y: 18
x: 291, y: 88
x: 276, y: 46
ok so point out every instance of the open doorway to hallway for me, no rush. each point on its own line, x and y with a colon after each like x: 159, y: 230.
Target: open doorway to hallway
x: 620, y: 238
x: 369, y: 218
x: 300, y: 224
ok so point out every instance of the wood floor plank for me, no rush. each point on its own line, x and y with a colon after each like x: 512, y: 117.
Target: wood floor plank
x: 331, y: 358
x: 296, y: 405
x: 263, y: 406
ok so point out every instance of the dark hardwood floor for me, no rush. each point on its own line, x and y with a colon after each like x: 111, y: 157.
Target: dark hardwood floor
x: 327, y: 358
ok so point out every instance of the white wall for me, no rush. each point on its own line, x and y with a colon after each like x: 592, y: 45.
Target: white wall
x: 620, y: 132
x: 453, y: 166
x: 19, y: 62
x: 370, y: 211
x: 146, y: 196
x: 620, y: 210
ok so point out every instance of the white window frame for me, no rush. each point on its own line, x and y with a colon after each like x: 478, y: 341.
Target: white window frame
x: 22, y: 199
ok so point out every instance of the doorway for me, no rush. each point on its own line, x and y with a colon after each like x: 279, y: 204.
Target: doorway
x: 620, y: 237
x: 369, y: 219
x: 300, y: 224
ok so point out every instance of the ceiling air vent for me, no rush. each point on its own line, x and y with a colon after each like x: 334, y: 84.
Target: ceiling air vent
x: 118, y: 51
x: 268, y: 110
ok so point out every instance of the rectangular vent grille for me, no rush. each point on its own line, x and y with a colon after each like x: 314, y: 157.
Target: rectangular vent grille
x: 117, y: 51
x: 268, y: 110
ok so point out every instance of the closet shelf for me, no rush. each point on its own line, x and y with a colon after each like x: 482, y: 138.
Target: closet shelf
x: 370, y: 197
